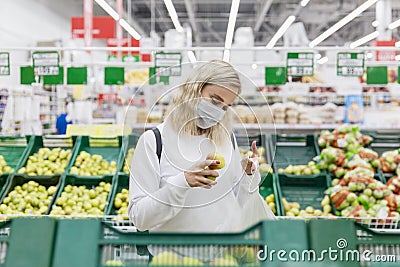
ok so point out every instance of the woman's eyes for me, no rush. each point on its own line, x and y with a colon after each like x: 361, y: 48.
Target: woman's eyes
x: 219, y: 103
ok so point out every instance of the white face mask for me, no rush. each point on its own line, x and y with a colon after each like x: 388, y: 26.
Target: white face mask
x: 209, y: 114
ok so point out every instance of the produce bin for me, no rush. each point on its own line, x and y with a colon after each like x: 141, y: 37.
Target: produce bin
x: 292, y: 150
x: 121, y: 181
x: 116, y: 247
x: 17, y: 179
x: 4, y: 239
x: 51, y: 142
x: 383, y: 141
x: 30, y: 242
x: 4, y: 179
x: 13, y: 149
x: 306, y: 190
x: 129, y: 142
x: 89, y: 182
x: 108, y: 148
x: 268, y: 187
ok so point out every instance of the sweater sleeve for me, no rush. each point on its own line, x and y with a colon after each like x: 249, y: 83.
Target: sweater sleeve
x: 245, y: 185
x: 150, y: 204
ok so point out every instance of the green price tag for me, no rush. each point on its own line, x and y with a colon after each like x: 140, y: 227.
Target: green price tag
x: 54, y: 79
x: 168, y: 63
x: 350, y: 64
x: 4, y: 63
x: 275, y: 75
x: 300, y: 64
x: 377, y: 75
x: 114, y: 75
x: 77, y: 75
x: 46, y: 63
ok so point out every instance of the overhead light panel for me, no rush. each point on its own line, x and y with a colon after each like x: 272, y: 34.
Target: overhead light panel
x: 107, y: 8
x: 364, y: 39
x: 191, y: 56
x: 124, y: 24
x: 394, y: 24
x: 281, y: 31
x: 303, y: 3
x: 173, y: 15
x: 342, y: 22
x: 322, y: 60
x: 231, y: 28
x: 375, y: 23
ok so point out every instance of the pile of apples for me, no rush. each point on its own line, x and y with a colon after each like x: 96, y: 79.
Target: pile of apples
x: 80, y: 200
x: 121, y: 203
x: 4, y: 168
x: 91, y: 165
x: 31, y: 198
x: 309, y: 169
x: 47, y: 162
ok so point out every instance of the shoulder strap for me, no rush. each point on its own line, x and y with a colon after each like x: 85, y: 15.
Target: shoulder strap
x: 233, y: 141
x: 158, y: 142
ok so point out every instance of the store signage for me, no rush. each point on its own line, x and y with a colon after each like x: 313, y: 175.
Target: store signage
x: 46, y: 63
x: 4, y: 63
x: 168, y: 63
x: 275, y: 75
x: 125, y: 42
x: 103, y: 27
x: 388, y: 55
x: 350, y: 64
x: 130, y: 58
x: 300, y: 64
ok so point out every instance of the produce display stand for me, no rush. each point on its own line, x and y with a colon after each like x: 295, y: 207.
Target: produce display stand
x: 89, y: 181
x: 108, y: 148
x: 13, y: 148
x: 38, y: 142
x: 267, y: 187
x: 292, y: 150
x: 306, y: 190
x: 129, y: 142
x: 121, y: 180
x: 19, y: 179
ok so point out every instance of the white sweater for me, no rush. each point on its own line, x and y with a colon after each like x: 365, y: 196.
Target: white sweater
x: 162, y: 200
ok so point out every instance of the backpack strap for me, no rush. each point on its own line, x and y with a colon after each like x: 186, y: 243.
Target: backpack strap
x: 158, y: 142
x: 233, y: 141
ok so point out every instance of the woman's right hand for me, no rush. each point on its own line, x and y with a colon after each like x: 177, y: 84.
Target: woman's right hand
x: 196, y: 176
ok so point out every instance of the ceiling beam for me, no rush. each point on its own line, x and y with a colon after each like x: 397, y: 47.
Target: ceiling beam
x: 261, y: 15
x: 192, y: 20
x: 213, y: 32
x: 132, y: 21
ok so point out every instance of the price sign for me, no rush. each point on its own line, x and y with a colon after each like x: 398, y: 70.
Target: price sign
x: 300, y: 64
x: 350, y: 64
x: 4, y: 63
x: 168, y: 64
x: 46, y: 63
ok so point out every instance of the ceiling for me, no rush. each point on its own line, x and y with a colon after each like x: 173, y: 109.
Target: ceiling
x: 209, y: 18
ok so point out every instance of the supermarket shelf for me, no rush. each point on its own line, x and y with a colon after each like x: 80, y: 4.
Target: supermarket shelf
x: 103, y: 121
x: 283, y: 128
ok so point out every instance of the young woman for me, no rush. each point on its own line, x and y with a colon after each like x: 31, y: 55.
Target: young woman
x: 177, y: 192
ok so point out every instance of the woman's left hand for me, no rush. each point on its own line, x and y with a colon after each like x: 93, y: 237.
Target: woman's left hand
x: 247, y: 164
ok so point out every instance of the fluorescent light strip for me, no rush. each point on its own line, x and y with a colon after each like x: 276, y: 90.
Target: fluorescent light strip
x: 364, y: 39
x: 394, y: 24
x: 231, y: 28
x: 375, y: 23
x: 322, y: 60
x: 191, y: 57
x: 303, y: 3
x: 173, y: 15
x: 124, y: 24
x: 281, y: 31
x: 342, y: 22
x: 107, y: 8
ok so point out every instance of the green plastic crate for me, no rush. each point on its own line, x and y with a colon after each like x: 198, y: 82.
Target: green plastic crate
x: 120, y: 182
x: 18, y: 179
x: 108, y: 148
x: 89, y: 182
x: 267, y: 187
x: 30, y: 242
x: 37, y: 142
x: 4, y: 180
x: 306, y: 190
x: 292, y: 150
x: 378, y: 243
x: 13, y: 148
x: 129, y: 141
x: 4, y: 240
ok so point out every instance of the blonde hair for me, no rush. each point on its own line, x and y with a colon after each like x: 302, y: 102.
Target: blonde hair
x: 182, y: 112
